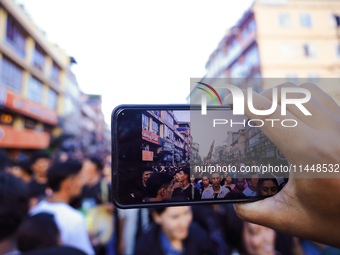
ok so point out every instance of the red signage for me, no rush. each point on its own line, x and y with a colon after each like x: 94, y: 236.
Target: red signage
x: 23, y: 139
x: 19, y: 104
x: 151, y: 137
x: 147, y: 155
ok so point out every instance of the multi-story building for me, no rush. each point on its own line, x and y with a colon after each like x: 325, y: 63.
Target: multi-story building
x: 71, y: 122
x: 286, y: 39
x: 184, y: 129
x: 194, y: 153
x: 100, y: 143
x: 237, y: 146
x: 162, y: 142
x: 88, y: 128
x: 32, y: 79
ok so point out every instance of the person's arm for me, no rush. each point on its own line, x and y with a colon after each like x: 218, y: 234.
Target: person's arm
x: 308, y: 208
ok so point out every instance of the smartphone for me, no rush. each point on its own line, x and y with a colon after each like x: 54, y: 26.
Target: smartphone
x: 172, y: 155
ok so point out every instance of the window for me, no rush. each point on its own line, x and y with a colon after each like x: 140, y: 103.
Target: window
x: 309, y: 50
x: 305, y: 20
x: 169, y: 118
x: 35, y: 90
x: 288, y: 51
x: 157, y: 113
x: 284, y: 19
x: 155, y: 128
x: 55, y: 72
x: 250, y: 27
x: 245, y: 32
x: 11, y: 75
x: 52, y: 98
x: 38, y: 58
x: 69, y: 106
x: 145, y: 122
x: 15, y: 36
x: 333, y: 20
x: 168, y: 133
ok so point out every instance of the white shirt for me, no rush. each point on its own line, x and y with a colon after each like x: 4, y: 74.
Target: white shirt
x: 209, y: 193
x: 249, y: 193
x: 71, y: 224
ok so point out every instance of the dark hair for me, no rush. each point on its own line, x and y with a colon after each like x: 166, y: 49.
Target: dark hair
x: 39, y: 155
x: 235, y: 195
x: 25, y: 165
x: 61, y: 171
x: 14, y: 202
x: 186, y: 170
x: 147, y: 168
x: 98, y: 162
x: 159, y: 210
x: 235, y: 229
x: 37, y: 232
x: 156, y: 182
x: 230, y: 174
x: 4, y: 160
x: 263, y: 178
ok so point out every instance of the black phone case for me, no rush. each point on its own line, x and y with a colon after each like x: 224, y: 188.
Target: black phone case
x: 114, y: 154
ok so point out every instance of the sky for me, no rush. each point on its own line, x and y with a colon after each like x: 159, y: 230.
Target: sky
x: 136, y: 52
x: 204, y: 133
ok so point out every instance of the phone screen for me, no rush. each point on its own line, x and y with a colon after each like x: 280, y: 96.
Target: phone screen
x: 175, y: 154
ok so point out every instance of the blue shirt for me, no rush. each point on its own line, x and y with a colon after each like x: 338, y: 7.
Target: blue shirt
x: 167, y: 246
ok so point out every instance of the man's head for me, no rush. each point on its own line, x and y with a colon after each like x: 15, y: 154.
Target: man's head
x: 252, y: 180
x: 40, y: 162
x: 147, y: 172
x: 159, y: 185
x: 13, y: 204
x: 91, y: 169
x: 229, y: 179
x: 205, y: 181
x: 65, y: 177
x: 215, y: 180
x: 37, y: 232
x: 174, y: 221
x: 184, y: 174
x: 240, y: 182
x: 192, y: 179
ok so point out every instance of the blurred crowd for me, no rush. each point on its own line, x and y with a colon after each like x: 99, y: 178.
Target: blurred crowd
x: 60, y: 204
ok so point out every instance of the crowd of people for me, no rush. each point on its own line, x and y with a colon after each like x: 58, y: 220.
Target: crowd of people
x: 59, y: 205
x: 178, y: 183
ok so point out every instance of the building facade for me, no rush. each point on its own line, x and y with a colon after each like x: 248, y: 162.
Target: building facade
x: 289, y: 40
x: 41, y: 103
x: 163, y: 140
x: 32, y: 77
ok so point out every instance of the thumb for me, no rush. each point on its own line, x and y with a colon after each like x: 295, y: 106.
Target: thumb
x: 267, y: 212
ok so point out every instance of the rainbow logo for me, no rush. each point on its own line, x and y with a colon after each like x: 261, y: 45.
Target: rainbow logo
x: 209, y: 93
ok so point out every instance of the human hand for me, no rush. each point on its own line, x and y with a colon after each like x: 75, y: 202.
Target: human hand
x: 308, y: 208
